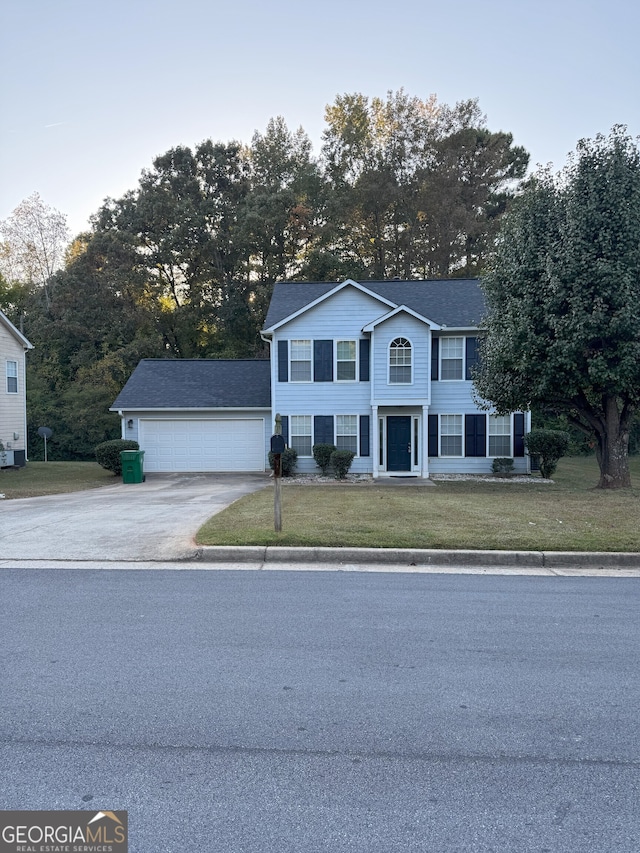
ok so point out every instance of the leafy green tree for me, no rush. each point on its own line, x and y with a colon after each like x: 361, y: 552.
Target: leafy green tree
x: 417, y: 187
x: 563, y: 329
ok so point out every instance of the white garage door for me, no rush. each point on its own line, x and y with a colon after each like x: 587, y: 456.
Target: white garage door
x: 203, y: 445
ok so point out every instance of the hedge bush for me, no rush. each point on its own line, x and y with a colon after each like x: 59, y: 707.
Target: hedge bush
x: 108, y: 453
x: 288, y: 463
x: 341, y: 462
x: 549, y: 445
x: 502, y: 465
x: 322, y: 455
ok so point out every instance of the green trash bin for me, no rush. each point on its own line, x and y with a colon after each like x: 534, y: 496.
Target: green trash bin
x: 132, y: 466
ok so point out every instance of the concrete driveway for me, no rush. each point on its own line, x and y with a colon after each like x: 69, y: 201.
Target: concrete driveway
x: 155, y: 520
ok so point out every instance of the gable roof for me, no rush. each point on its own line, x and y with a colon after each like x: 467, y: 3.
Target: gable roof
x: 401, y: 309
x: 6, y: 322
x: 202, y: 383
x: 456, y: 303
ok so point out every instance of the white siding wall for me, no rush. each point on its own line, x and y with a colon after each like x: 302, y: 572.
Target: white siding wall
x: 12, y: 406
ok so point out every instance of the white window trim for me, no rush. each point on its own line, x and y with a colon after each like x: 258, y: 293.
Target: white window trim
x: 310, y: 360
x: 440, y: 435
x: 9, y: 376
x: 441, y: 357
x: 345, y: 361
x: 300, y: 434
x: 410, y: 342
x: 357, y: 434
x: 500, y: 434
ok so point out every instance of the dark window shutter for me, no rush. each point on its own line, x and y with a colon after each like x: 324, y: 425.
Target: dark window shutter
x: 433, y: 435
x: 285, y: 428
x: 323, y: 361
x: 283, y: 361
x: 475, y: 435
x: 323, y: 429
x: 435, y: 352
x: 365, y: 438
x: 365, y: 350
x: 473, y: 356
x: 518, y: 434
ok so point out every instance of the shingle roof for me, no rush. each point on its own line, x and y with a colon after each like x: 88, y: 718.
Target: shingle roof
x: 197, y: 383
x: 450, y: 302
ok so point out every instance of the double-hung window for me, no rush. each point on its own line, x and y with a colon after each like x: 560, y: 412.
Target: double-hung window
x: 300, y: 357
x: 300, y: 434
x: 500, y: 435
x: 400, y: 362
x: 451, y: 358
x: 345, y: 361
x: 347, y: 432
x: 450, y: 435
x: 12, y: 377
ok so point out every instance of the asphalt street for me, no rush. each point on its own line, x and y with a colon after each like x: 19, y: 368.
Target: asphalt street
x: 311, y: 711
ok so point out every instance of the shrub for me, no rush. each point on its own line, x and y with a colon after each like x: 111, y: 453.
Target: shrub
x: 549, y: 445
x: 322, y: 455
x: 288, y: 463
x: 341, y: 462
x: 108, y: 453
x: 502, y: 465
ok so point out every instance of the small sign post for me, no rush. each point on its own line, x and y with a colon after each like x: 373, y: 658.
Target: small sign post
x: 45, y: 432
x: 277, y: 448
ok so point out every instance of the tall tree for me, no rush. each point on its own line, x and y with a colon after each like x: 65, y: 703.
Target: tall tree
x: 283, y: 206
x: 33, y: 241
x: 563, y: 329
x: 417, y: 187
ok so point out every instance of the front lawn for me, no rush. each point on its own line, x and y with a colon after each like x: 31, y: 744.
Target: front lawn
x: 53, y: 478
x: 568, y: 515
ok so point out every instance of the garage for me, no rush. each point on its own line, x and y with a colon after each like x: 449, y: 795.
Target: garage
x: 197, y: 444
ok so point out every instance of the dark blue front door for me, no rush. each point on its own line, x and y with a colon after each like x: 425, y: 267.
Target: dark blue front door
x: 398, y: 443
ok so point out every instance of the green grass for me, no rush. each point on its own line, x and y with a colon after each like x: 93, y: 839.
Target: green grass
x: 568, y: 515
x: 53, y: 478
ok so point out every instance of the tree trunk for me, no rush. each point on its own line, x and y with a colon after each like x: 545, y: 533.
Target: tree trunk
x: 612, y: 450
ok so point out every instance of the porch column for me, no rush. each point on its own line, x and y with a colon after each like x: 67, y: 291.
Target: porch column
x: 375, y: 443
x: 425, y: 442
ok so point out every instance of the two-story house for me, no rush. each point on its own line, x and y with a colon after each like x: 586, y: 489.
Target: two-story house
x: 13, y: 408
x: 380, y: 368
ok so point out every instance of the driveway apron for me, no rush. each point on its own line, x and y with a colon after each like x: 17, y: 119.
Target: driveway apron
x: 154, y: 520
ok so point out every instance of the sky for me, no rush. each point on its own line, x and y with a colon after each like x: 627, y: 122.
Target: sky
x: 91, y: 92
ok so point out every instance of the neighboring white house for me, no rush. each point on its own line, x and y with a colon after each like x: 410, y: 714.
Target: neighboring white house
x: 13, y: 408
x: 379, y: 368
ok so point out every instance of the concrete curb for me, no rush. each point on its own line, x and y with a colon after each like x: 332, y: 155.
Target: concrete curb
x: 415, y: 557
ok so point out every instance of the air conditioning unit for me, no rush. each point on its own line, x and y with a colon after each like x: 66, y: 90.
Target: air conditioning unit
x: 6, y: 458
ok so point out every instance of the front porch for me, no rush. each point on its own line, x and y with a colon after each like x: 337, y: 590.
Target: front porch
x: 400, y: 442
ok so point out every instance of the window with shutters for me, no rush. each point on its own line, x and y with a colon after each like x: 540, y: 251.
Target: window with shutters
x: 347, y: 432
x: 451, y: 358
x: 500, y: 435
x: 400, y: 362
x: 345, y: 361
x: 450, y: 435
x: 300, y: 434
x: 300, y: 361
x: 12, y: 377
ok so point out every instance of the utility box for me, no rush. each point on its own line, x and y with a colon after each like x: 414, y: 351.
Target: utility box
x: 132, y: 466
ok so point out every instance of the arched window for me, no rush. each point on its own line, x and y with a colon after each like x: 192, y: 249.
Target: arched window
x: 400, y: 362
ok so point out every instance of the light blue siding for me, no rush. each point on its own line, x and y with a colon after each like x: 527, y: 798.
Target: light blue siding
x: 401, y: 325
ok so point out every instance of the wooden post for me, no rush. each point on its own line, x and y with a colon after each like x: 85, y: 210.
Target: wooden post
x: 277, y: 476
